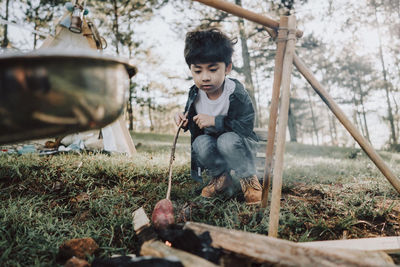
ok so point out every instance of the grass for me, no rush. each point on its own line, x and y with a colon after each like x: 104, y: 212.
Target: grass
x: 328, y: 193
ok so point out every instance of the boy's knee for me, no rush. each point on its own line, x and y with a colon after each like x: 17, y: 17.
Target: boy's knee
x: 229, y: 142
x: 203, y: 144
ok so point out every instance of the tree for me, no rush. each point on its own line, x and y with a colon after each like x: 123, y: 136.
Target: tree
x: 40, y: 15
x: 246, y: 68
x: 386, y: 83
x: 357, y: 76
x: 5, y: 41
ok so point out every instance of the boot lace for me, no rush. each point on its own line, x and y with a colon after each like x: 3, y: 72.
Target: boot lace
x: 250, y: 182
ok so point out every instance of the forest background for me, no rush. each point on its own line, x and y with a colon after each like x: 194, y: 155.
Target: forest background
x: 351, y: 46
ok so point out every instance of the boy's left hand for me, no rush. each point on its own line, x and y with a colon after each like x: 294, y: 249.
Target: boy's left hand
x: 204, y: 120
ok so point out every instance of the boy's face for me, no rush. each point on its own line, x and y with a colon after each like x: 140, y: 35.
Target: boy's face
x: 209, y: 77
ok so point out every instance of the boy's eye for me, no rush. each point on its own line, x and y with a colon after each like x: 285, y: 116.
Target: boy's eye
x: 213, y: 70
x: 197, y: 71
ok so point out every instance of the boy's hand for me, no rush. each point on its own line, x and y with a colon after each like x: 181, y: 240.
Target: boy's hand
x: 204, y: 120
x: 179, y: 117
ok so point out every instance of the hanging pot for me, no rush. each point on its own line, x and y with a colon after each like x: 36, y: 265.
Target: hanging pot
x: 53, y: 92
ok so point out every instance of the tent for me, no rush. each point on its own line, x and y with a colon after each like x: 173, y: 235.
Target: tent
x: 77, y: 33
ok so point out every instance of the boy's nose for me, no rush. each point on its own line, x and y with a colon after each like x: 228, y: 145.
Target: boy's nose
x: 206, y: 77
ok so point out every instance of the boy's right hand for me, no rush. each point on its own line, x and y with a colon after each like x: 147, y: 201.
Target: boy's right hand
x: 179, y: 117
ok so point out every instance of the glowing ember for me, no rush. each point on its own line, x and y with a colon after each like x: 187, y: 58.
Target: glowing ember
x: 168, y: 243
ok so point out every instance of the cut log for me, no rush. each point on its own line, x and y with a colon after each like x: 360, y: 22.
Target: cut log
x: 264, y: 249
x: 159, y: 249
x: 389, y: 244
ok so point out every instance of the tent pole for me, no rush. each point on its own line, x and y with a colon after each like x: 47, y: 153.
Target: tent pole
x: 273, y: 112
x: 244, y: 13
x: 281, y: 134
x: 364, y: 144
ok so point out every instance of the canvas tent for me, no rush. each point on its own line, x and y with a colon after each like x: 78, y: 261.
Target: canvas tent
x: 114, y: 137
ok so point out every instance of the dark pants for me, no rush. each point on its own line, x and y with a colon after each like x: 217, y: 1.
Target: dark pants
x: 224, y: 153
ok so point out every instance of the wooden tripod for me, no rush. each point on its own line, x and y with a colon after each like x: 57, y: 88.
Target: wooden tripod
x: 285, y: 33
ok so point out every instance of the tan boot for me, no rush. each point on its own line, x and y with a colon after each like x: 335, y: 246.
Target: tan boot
x: 217, y: 185
x: 252, y: 190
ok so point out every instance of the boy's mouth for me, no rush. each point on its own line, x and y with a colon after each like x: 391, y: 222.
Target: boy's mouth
x: 206, y: 86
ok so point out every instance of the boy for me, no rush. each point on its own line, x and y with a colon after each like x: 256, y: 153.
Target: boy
x: 220, y: 117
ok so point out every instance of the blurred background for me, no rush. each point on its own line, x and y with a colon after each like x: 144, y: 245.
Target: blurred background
x: 351, y: 46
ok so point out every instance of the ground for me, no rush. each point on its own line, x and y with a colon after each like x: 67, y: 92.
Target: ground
x: 328, y: 193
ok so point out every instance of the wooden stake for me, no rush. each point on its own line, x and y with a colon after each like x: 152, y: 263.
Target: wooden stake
x: 281, y: 139
x: 244, y: 13
x: 364, y: 144
x: 280, y: 51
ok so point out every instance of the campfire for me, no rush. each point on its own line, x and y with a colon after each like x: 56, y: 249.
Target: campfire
x: 197, y: 244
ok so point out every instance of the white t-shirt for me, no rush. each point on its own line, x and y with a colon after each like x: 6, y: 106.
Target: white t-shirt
x: 218, y: 106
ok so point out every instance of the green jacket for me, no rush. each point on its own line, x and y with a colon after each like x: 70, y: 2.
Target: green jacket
x: 240, y: 119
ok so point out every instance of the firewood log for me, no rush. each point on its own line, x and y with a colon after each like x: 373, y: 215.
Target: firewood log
x: 264, y: 249
x: 159, y: 249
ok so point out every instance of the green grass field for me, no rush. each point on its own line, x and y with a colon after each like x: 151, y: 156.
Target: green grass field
x: 328, y: 193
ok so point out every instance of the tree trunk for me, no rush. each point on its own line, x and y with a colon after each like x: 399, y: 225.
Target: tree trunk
x: 386, y: 83
x: 116, y: 26
x: 246, y: 65
x: 258, y: 104
x: 129, y: 106
x: 396, y: 112
x: 5, y: 38
x: 364, y: 115
x: 356, y: 115
x: 314, y: 123
x: 150, y: 115
x: 292, y: 126
x: 333, y: 119
x: 330, y: 129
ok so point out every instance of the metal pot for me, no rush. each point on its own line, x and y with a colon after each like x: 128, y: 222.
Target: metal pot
x: 52, y: 92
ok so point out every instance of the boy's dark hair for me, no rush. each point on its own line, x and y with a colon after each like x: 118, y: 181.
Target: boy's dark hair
x: 203, y: 46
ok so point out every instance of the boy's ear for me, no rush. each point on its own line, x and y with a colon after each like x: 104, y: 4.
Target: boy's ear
x: 228, y: 68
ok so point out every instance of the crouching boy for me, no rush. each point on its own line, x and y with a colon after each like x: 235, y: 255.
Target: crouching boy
x: 220, y: 116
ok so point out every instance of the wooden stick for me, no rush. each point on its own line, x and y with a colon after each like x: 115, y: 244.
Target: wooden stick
x: 273, y: 112
x: 364, y: 144
x: 244, y: 13
x: 171, y: 159
x: 277, y: 252
x: 388, y: 244
x: 159, y: 249
x: 281, y: 139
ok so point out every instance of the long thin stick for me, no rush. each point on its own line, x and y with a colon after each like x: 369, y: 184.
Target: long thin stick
x: 273, y: 112
x: 244, y: 13
x: 281, y: 139
x: 171, y: 159
x: 364, y: 144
